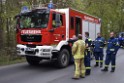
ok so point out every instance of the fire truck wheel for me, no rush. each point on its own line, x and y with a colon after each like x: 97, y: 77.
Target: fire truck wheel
x: 33, y: 60
x: 63, y: 58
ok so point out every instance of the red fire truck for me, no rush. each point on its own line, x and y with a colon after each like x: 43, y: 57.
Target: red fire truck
x: 44, y: 33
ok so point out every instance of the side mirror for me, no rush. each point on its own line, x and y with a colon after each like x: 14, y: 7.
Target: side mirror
x: 17, y: 30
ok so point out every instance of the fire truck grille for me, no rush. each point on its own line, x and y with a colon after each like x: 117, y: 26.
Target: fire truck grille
x: 30, y: 52
x: 31, y: 38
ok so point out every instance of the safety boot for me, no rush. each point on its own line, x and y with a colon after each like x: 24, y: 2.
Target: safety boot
x: 112, y: 70
x: 96, y: 65
x: 87, y: 72
x: 101, y: 65
x: 82, y: 75
x: 105, y: 69
x: 76, y: 77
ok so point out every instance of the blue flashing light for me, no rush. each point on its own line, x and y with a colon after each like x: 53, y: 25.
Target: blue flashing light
x: 50, y: 5
x: 25, y: 9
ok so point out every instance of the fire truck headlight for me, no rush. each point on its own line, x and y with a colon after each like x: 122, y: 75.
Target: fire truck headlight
x: 17, y: 48
x: 45, y: 50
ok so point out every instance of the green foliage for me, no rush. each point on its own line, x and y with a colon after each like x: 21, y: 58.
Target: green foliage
x: 111, y: 13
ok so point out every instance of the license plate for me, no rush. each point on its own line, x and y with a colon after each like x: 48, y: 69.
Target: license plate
x: 29, y: 49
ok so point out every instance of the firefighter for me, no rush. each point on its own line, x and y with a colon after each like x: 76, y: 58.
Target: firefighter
x: 121, y: 40
x: 122, y: 43
x: 73, y: 39
x: 112, y: 48
x: 78, y: 54
x: 88, y: 43
x: 92, y: 50
x: 99, y: 44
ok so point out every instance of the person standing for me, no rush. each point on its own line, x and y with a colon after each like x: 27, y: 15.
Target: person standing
x: 121, y: 40
x: 122, y: 43
x: 112, y: 48
x: 73, y: 39
x: 99, y: 44
x: 88, y: 43
x: 78, y: 54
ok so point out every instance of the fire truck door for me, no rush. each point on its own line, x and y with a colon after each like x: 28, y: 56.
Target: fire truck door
x: 59, y: 29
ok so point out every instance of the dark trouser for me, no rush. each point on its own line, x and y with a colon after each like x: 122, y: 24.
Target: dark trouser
x: 99, y: 57
x: 87, y: 62
x: 110, y: 58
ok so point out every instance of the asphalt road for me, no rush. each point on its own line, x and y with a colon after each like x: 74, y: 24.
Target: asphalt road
x: 47, y: 73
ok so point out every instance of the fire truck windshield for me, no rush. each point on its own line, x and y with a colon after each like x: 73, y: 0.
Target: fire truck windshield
x: 33, y: 20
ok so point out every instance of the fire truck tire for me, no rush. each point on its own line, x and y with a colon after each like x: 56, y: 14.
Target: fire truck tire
x: 63, y: 58
x: 33, y: 60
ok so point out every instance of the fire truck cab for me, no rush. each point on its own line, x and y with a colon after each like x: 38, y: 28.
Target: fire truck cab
x: 44, y: 33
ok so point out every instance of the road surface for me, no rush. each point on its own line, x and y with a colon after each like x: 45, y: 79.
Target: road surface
x: 48, y: 73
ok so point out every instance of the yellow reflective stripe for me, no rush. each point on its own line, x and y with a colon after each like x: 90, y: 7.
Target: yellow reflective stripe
x: 106, y: 65
x: 112, y: 49
x: 101, y: 60
x: 97, y: 60
x: 117, y: 45
x: 88, y: 67
x: 89, y: 39
x: 113, y: 66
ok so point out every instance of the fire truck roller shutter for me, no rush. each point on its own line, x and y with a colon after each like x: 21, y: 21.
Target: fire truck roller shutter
x: 85, y: 28
x: 92, y: 30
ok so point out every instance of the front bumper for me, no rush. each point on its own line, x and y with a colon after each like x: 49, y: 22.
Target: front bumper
x: 38, y: 51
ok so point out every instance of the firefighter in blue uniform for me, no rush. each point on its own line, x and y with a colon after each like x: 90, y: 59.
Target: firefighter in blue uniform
x: 122, y: 43
x: 118, y: 45
x: 112, y: 48
x: 87, y: 60
x: 99, y: 44
x: 121, y: 40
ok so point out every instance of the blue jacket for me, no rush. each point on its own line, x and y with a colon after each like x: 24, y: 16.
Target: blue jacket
x: 121, y: 41
x: 89, y: 42
x: 113, y: 45
x: 117, y: 44
x: 99, y: 44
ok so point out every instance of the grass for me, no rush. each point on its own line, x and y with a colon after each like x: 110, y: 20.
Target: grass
x: 7, y: 61
x: 7, y: 58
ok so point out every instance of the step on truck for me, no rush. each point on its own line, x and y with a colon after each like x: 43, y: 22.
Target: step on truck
x: 43, y: 33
